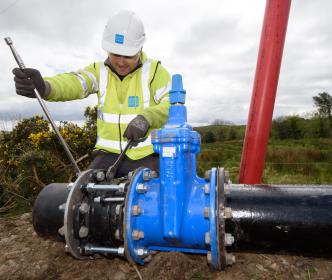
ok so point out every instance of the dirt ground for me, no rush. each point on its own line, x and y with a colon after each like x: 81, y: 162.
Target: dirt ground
x: 23, y: 255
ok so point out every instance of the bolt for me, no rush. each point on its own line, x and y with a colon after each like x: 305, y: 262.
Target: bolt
x: 209, y: 257
x: 227, y: 190
x: 117, y: 234
x: 206, y: 212
x: 62, y: 207
x: 137, y: 234
x: 136, y: 210
x: 229, y: 239
x: 149, y: 174
x: 141, y: 188
x: 207, y: 174
x: 84, y: 208
x: 141, y: 252
x: 226, y: 176
x: 207, y: 238
x: 66, y: 248
x: 83, y: 232
x: 100, y: 176
x: 69, y: 186
x: 131, y: 174
x: 207, y: 188
x: 61, y: 231
x: 118, y: 209
x: 230, y: 259
x: 228, y: 213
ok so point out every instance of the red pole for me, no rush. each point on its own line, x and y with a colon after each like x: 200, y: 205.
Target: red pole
x: 264, y: 91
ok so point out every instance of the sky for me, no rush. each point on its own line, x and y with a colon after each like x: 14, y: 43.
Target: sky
x: 212, y: 44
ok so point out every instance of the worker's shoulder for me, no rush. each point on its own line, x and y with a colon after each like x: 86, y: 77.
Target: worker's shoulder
x: 159, y: 69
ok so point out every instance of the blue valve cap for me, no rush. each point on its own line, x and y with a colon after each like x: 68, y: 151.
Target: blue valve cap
x: 177, y: 93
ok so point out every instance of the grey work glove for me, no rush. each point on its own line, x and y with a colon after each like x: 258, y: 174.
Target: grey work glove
x: 28, y: 80
x: 137, y: 128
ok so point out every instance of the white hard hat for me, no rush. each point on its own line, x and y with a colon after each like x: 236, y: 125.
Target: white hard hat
x: 124, y: 34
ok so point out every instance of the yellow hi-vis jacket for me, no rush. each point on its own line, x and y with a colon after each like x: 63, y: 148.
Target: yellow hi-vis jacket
x: 145, y: 92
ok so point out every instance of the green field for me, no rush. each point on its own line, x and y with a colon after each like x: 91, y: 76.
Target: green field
x: 302, y: 161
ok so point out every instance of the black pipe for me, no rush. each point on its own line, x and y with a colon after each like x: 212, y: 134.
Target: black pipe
x: 47, y: 218
x: 274, y: 218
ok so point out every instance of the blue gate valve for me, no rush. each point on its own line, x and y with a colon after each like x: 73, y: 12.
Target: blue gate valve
x: 177, y: 211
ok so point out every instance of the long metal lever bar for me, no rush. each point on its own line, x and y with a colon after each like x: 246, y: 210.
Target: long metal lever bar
x: 42, y: 104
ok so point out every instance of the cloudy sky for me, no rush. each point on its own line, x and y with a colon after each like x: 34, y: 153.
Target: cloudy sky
x: 213, y: 44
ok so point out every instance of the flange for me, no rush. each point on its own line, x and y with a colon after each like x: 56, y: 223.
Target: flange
x: 75, y: 196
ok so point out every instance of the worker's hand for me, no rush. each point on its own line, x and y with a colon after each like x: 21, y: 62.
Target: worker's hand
x: 28, y: 80
x: 137, y: 128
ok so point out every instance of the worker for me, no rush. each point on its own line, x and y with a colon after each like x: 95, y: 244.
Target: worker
x: 132, y: 90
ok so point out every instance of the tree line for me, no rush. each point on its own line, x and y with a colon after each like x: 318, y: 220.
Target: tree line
x: 315, y: 125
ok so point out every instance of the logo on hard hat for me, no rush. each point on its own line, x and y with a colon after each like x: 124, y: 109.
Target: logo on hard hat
x: 119, y: 38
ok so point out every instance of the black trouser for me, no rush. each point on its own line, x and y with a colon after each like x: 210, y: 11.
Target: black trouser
x: 103, y: 160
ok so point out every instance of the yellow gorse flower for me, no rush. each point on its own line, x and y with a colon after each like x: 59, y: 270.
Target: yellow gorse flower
x: 38, y: 138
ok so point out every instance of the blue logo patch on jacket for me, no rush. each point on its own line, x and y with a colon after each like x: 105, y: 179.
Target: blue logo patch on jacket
x: 119, y: 38
x: 133, y: 101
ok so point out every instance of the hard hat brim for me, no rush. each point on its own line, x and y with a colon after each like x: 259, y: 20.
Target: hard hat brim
x: 121, y: 49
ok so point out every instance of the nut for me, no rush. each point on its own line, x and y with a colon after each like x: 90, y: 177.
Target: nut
x: 70, y: 185
x: 137, y: 234
x: 121, y: 251
x: 84, y: 208
x: 207, y: 238
x: 229, y: 239
x: 228, y: 213
x: 207, y: 188
x: 230, y: 259
x: 100, y: 176
x: 66, y: 248
x: 118, y: 209
x: 207, y: 174
x: 206, y: 212
x: 141, y: 252
x: 141, y: 188
x: 227, y: 190
x: 62, y: 207
x: 61, y: 231
x: 136, y: 210
x: 83, y: 232
x: 226, y: 177
x: 117, y: 234
x: 209, y: 257
x: 131, y: 174
x: 149, y: 174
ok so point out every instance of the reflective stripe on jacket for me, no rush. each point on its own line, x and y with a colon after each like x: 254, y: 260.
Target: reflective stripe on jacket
x: 144, y: 92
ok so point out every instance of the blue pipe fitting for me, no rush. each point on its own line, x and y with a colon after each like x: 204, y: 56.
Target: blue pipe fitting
x: 174, y: 212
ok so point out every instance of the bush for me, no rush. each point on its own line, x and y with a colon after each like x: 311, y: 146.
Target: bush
x: 31, y: 156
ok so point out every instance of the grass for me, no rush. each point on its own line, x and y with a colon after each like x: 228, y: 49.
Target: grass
x: 304, y: 161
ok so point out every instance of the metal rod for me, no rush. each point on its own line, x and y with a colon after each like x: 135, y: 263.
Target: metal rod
x: 111, y: 172
x: 274, y: 218
x: 91, y: 187
x: 264, y: 91
x: 108, y: 250
x: 99, y: 199
x: 42, y: 104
